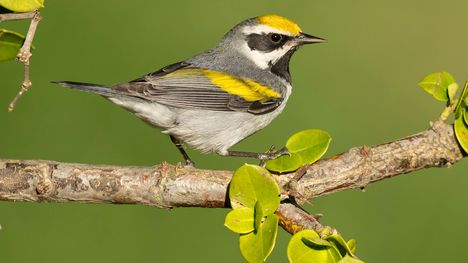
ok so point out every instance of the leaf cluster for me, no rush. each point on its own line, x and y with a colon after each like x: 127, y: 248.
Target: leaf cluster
x: 255, y: 195
x: 442, y: 86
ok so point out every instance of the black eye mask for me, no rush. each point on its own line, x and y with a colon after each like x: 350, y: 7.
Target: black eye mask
x: 266, y: 42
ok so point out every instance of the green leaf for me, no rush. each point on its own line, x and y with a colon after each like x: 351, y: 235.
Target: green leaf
x: 300, y: 252
x: 461, y: 130
x: 259, y: 216
x: 452, y: 91
x: 253, y: 187
x: 305, y: 147
x: 340, y: 243
x: 10, y: 43
x: 22, y: 5
x: 316, y: 242
x: 256, y: 246
x: 465, y: 116
x: 350, y: 259
x: 462, y: 101
x: 240, y: 220
x: 251, y: 184
x: 352, y: 245
x: 437, y: 85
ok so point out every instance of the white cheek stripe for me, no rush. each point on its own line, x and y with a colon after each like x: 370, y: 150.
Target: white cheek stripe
x: 262, y: 59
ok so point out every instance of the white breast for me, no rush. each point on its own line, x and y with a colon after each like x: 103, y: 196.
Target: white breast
x: 218, y: 131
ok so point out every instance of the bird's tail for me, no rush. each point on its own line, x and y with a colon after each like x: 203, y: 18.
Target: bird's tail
x: 94, y: 88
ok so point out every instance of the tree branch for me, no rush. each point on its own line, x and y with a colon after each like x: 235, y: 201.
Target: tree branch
x: 168, y: 186
x: 356, y: 168
x: 24, y: 53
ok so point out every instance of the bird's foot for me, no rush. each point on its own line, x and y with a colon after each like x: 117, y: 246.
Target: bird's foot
x: 272, y: 154
x: 188, y: 162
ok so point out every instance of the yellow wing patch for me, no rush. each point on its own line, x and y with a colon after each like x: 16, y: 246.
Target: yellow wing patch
x: 247, y: 89
x: 281, y: 23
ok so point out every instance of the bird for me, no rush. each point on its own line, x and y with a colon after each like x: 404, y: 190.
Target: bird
x: 217, y: 98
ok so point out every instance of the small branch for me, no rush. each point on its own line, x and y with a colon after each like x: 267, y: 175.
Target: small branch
x: 16, y: 16
x: 294, y: 219
x: 168, y: 186
x: 26, y: 82
x: 24, y: 53
x: 448, y: 110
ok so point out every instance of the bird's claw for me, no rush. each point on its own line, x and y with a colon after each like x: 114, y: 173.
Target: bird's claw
x: 271, y: 154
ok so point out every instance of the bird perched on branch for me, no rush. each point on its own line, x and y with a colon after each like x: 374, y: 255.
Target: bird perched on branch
x: 215, y: 99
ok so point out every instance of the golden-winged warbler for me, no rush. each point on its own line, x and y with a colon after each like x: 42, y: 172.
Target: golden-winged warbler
x: 215, y: 99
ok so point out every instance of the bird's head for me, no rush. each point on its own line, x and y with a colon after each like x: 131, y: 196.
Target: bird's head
x: 268, y: 41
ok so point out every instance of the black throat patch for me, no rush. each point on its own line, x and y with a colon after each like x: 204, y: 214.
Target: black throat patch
x: 281, y: 67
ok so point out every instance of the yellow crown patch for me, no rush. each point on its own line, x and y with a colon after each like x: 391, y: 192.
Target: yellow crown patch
x: 281, y: 23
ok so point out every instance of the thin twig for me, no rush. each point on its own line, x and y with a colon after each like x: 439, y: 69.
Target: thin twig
x: 16, y: 16
x: 24, y: 53
x: 448, y: 110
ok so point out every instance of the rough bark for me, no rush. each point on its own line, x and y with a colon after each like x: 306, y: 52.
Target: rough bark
x: 168, y: 186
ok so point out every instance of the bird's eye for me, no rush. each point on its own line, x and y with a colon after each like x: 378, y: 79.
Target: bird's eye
x: 276, y: 38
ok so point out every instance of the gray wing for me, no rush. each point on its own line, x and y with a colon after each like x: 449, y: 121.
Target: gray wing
x: 182, y: 86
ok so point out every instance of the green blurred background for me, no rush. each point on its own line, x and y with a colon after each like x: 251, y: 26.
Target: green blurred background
x: 360, y: 87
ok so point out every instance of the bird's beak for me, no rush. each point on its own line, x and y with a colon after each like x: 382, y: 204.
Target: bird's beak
x: 304, y: 38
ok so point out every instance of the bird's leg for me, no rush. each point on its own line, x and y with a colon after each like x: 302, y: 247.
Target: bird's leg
x: 260, y: 156
x: 180, y: 147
